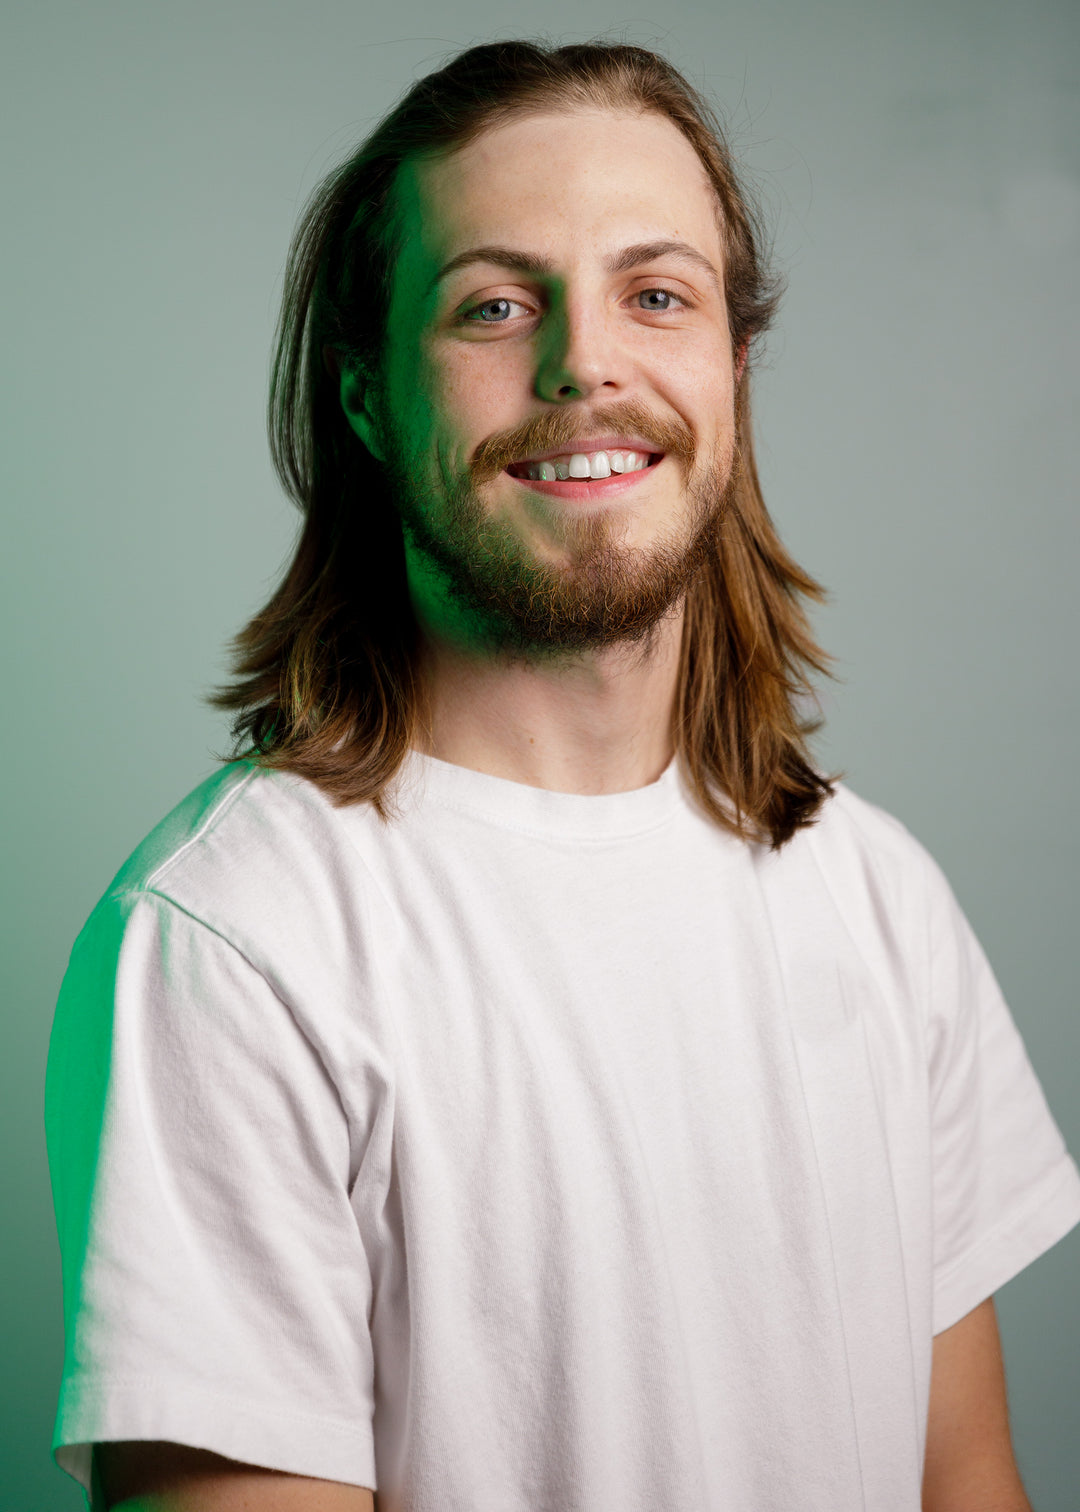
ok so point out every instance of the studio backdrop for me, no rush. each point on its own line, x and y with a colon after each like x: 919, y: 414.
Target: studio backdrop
x: 919, y: 167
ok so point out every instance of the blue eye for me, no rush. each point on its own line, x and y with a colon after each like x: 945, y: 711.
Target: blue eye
x: 656, y: 295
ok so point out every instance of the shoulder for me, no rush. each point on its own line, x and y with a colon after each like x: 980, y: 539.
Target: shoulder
x: 239, y: 814
x: 880, y: 876
x: 254, y: 855
x: 847, y: 819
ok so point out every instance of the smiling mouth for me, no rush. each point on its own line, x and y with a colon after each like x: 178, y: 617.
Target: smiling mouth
x: 575, y: 467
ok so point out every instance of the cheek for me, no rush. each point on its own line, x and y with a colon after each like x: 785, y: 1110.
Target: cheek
x: 696, y: 372
x: 718, y: 384
x: 418, y: 406
x: 476, y: 392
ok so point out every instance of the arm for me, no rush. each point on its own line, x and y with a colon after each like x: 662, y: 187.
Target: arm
x: 969, y: 1463
x: 162, y: 1477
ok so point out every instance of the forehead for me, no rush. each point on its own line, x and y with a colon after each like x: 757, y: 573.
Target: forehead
x: 566, y: 186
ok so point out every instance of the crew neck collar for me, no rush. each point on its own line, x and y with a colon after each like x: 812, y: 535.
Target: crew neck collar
x: 518, y: 806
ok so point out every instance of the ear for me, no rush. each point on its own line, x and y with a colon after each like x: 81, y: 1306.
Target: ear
x: 358, y: 393
x: 741, y: 353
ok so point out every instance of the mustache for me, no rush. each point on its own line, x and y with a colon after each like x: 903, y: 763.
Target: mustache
x: 561, y: 428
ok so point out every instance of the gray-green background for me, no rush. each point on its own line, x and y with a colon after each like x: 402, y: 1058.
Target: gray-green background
x: 916, y: 408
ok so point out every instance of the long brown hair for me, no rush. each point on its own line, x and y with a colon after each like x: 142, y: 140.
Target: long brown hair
x: 328, y: 685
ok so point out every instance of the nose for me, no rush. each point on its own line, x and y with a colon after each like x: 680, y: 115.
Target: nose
x: 579, y: 354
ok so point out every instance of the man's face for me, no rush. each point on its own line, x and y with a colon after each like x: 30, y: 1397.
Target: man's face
x: 564, y: 328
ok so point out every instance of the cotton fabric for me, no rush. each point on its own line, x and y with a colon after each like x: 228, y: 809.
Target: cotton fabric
x: 535, y: 1150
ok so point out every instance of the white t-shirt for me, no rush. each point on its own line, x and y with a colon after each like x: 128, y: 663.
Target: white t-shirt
x: 536, y: 1152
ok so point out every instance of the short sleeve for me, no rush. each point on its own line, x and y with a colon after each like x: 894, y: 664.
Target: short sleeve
x: 216, y: 1287
x: 1005, y: 1187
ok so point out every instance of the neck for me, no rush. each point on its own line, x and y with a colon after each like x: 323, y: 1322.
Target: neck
x: 596, y: 722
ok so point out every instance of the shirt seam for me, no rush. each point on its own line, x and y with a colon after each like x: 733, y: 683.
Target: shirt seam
x: 216, y: 813
x: 533, y: 833
x: 146, y: 891
x: 854, y: 936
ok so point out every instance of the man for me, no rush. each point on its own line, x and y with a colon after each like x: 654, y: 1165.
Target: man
x: 522, y: 1081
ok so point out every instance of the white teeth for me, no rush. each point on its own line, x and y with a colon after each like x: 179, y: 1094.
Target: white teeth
x: 596, y: 465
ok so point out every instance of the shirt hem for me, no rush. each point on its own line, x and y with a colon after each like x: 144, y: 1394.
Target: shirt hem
x: 1011, y: 1246
x: 97, y: 1409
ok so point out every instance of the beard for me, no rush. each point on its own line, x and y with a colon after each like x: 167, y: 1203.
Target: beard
x: 605, y: 593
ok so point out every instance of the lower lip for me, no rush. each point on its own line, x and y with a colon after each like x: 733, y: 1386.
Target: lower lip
x: 586, y: 488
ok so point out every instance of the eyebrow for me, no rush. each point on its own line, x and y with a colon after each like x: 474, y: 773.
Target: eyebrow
x: 619, y: 262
